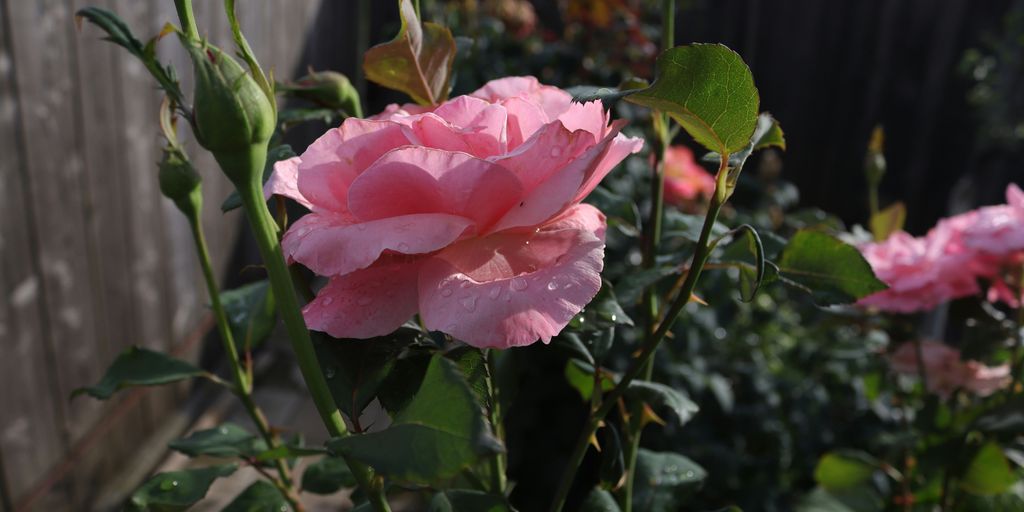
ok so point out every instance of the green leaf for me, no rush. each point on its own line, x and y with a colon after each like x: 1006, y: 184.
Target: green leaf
x: 355, y: 369
x: 819, y: 500
x: 888, y: 221
x: 418, y: 61
x: 261, y: 496
x: 599, y: 500
x: 571, y: 342
x: 274, y: 155
x: 1006, y: 418
x: 709, y: 91
x: 290, y: 450
x: 843, y: 470
x: 664, y: 481
x: 251, y: 313
x: 464, y: 500
x: 227, y: 440
x: 403, y: 381
x: 138, y: 366
x: 989, y: 472
x: 747, y: 254
x: 441, y: 432
x: 662, y: 396
x: 327, y: 476
x: 473, y: 364
x: 832, y: 271
x: 177, y: 490
x: 580, y: 376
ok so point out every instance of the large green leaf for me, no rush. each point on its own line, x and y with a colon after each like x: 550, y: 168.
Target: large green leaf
x: 709, y: 91
x: 227, y: 440
x: 662, y: 396
x: 473, y: 364
x: 176, y: 490
x: 251, y: 313
x: 833, y: 271
x: 438, y: 434
x: 664, y: 481
x: 327, y: 476
x: 464, y: 500
x: 138, y: 366
x: 261, y: 496
x: 418, y: 61
x: 989, y: 472
x: 843, y: 470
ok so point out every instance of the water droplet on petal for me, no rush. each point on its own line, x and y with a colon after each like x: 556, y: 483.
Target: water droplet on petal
x: 364, y: 301
x: 465, y: 284
x: 552, y: 286
x: 303, y: 232
x: 327, y: 301
x: 403, y: 247
x: 449, y: 328
x: 447, y: 292
x: 519, y: 284
x: 556, y: 152
x: 361, y: 227
x: 495, y: 291
x: 468, y: 302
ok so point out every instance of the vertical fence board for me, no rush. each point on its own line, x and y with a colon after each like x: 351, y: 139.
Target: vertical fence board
x: 30, y: 428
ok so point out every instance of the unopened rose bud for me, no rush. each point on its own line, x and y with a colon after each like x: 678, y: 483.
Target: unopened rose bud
x: 233, y: 116
x: 179, y: 181
x: 329, y: 89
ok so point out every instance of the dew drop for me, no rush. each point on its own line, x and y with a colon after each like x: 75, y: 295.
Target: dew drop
x: 469, y: 303
x: 403, y: 247
x: 552, y: 286
x: 519, y: 284
x: 447, y: 292
x: 556, y: 152
x: 495, y: 291
x: 327, y: 301
x: 330, y: 372
x: 689, y: 474
x: 449, y: 328
x: 364, y: 301
x: 223, y: 431
x: 612, y: 317
x: 465, y: 284
x: 303, y: 232
x: 168, y: 484
x: 361, y: 227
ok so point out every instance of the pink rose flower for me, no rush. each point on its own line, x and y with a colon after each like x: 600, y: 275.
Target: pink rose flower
x: 997, y: 230
x: 919, y: 271
x: 945, y: 371
x: 685, y: 180
x: 468, y: 214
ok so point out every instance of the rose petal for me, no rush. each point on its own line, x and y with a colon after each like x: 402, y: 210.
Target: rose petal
x: 370, y: 302
x: 481, y: 136
x: 552, y: 100
x: 425, y: 180
x: 525, y: 118
x: 620, y: 147
x: 589, y: 116
x: 333, y: 161
x: 335, y: 244
x: 512, y: 289
x: 284, y: 182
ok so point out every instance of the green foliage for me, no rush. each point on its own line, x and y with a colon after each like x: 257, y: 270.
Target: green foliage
x: 251, y: 313
x: 261, y: 496
x: 177, y: 490
x: 327, y: 476
x: 989, y: 472
x: 612, y: 472
x: 842, y: 470
x: 664, y: 481
x: 418, y: 61
x: 355, y: 369
x: 888, y: 221
x: 227, y: 440
x: 661, y: 396
x: 138, y: 366
x: 600, y: 500
x: 747, y: 254
x: 463, y: 500
x: 438, y: 434
x: 709, y: 91
x: 580, y: 376
x: 832, y: 271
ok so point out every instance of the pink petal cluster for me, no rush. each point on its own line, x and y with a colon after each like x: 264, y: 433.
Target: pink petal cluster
x: 468, y: 214
x: 686, y: 181
x: 947, y: 263
x: 946, y: 372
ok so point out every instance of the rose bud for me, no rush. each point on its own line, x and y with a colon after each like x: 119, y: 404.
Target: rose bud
x: 179, y: 181
x: 328, y: 89
x: 234, y: 117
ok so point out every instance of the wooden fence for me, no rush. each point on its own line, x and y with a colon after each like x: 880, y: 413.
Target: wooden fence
x: 93, y: 259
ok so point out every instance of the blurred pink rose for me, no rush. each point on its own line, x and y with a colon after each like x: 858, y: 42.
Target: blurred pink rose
x: 919, y: 272
x: 468, y: 214
x: 945, y: 371
x: 996, y: 230
x: 685, y: 180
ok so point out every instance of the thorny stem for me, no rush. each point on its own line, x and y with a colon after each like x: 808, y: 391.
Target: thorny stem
x: 498, y: 462
x: 700, y: 257
x: 243, y: 382
x: 634, y: 430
